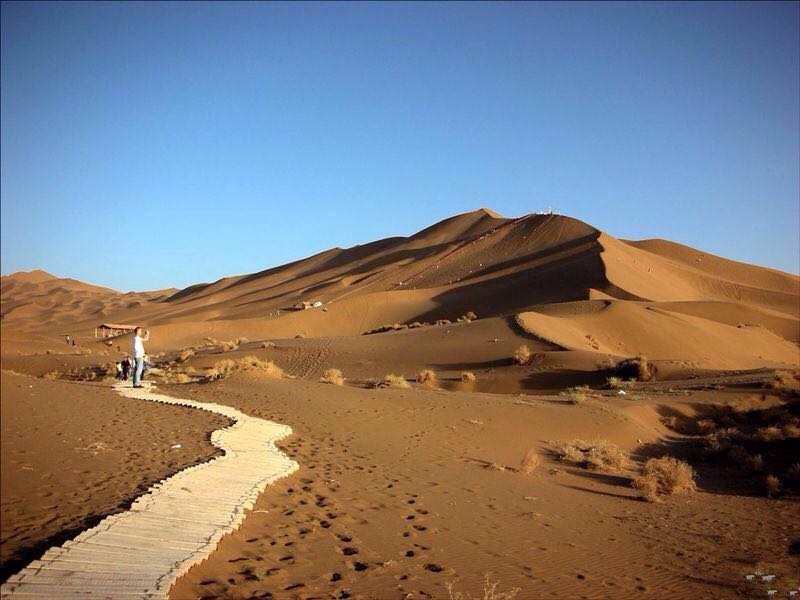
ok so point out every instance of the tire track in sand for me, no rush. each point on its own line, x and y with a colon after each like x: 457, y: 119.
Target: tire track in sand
x: 141, y: 552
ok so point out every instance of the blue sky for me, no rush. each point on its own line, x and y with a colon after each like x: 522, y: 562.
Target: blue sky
x: 151, y: 145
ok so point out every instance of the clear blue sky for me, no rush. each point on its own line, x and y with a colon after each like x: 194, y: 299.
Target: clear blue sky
x: 150, y: 145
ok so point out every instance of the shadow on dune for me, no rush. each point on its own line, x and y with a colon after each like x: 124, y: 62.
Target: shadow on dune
x: 733, y: 450
x: 563, y: 378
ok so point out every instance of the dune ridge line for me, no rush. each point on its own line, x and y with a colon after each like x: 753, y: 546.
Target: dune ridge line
x: 176, y: 524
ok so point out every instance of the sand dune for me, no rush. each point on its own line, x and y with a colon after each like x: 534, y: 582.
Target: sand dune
x: 477, y: 262
x: 405, y: 489
x: 37, y: 300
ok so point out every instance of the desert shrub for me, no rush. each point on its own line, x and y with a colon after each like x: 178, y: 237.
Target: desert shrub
x: 790, y: 430
x: 415, y: 325
x: 605, y: 456
x: 184, y: 354
x: 740, y: 456
x: 772, y: 485
x: 522, y: 355
x: 181, y: 378
x: 265, y: 366
x: 664, y: 476
x: 443, y: 322
x: 242, y: 340
x: 617, y: 383
x: 51, y: 375
x: 467, y: 317
x: 772, y: 433
x: 399, y: 381
x: 267, y: 344
x: 221, y: 369
x: 495, y: 467
x: 529, y: 462
x: 637, y: 368
x: 468, y: 377
x: 229, y: 346
x: 490, y: 592
x: 426, y: 376
x: 599, y: 455
x: 572, y: 452
x: 333, y: 376
x: 576, y: 395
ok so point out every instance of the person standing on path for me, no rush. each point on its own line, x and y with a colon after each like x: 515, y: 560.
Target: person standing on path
x: 138, y: 355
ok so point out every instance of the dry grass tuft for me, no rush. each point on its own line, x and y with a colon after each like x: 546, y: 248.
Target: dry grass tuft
x: 221, y: 369
x: 333, y: 376
x: 522, y: 355
x: 617, y: 383
x: 664, y: 476
x: 267, y: 367
x: 576, y: 395
x: 572, y: 452
x: 599, y: 455
x: 392, y: 380
x: 51, y: 375
x: 242, y: 340
x: 637, y: 368
x: 181, y: 378
x: 495, y: 467
x: 605, y: 456
x: 772, y: 485
x: 426, y: 376
x: 468, y: 377
x: 530, y: 462
x: 229, y: 346
x: 490, y: 592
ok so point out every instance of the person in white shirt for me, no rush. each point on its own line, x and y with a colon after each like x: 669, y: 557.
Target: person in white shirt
x: 138, y: 355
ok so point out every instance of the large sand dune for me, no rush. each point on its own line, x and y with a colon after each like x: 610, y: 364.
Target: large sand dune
x: 664, y: 299
x: 404, y: 490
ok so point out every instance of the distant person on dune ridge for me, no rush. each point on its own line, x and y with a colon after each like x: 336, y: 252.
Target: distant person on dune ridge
x: 138, y: 355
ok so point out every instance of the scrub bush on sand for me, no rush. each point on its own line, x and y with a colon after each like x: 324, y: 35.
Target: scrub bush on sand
x: 225, y: 368
x: 333, y: 376
x: 599, y: 455
x: 396, y: 381
x: 522, y: 355
x: 490, y: 592
x: 665, y: 476
x: 426, y: 376
x: 529, y: 462
x: 576, y: 395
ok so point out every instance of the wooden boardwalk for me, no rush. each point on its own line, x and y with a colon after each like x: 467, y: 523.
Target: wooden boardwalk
x: 179, y: 521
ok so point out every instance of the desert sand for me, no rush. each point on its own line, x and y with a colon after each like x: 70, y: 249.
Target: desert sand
x: 406, y: 488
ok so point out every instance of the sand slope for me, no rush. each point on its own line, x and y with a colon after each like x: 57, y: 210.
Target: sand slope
x: 476, y: 262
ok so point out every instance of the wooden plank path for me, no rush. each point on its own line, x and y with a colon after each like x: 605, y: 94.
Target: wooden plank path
x: 140, y: 553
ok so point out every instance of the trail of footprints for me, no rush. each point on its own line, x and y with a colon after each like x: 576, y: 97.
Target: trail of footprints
x: 311, y: 507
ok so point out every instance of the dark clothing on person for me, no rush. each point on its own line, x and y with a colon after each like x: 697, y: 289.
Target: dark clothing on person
x: 126, y: 368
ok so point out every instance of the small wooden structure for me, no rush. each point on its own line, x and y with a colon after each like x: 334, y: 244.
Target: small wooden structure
x: 110, y: 330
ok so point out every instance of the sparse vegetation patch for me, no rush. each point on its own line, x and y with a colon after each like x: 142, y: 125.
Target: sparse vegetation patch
x: 664, y: 476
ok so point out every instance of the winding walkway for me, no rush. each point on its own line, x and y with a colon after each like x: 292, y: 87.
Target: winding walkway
x: 141, y: 552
